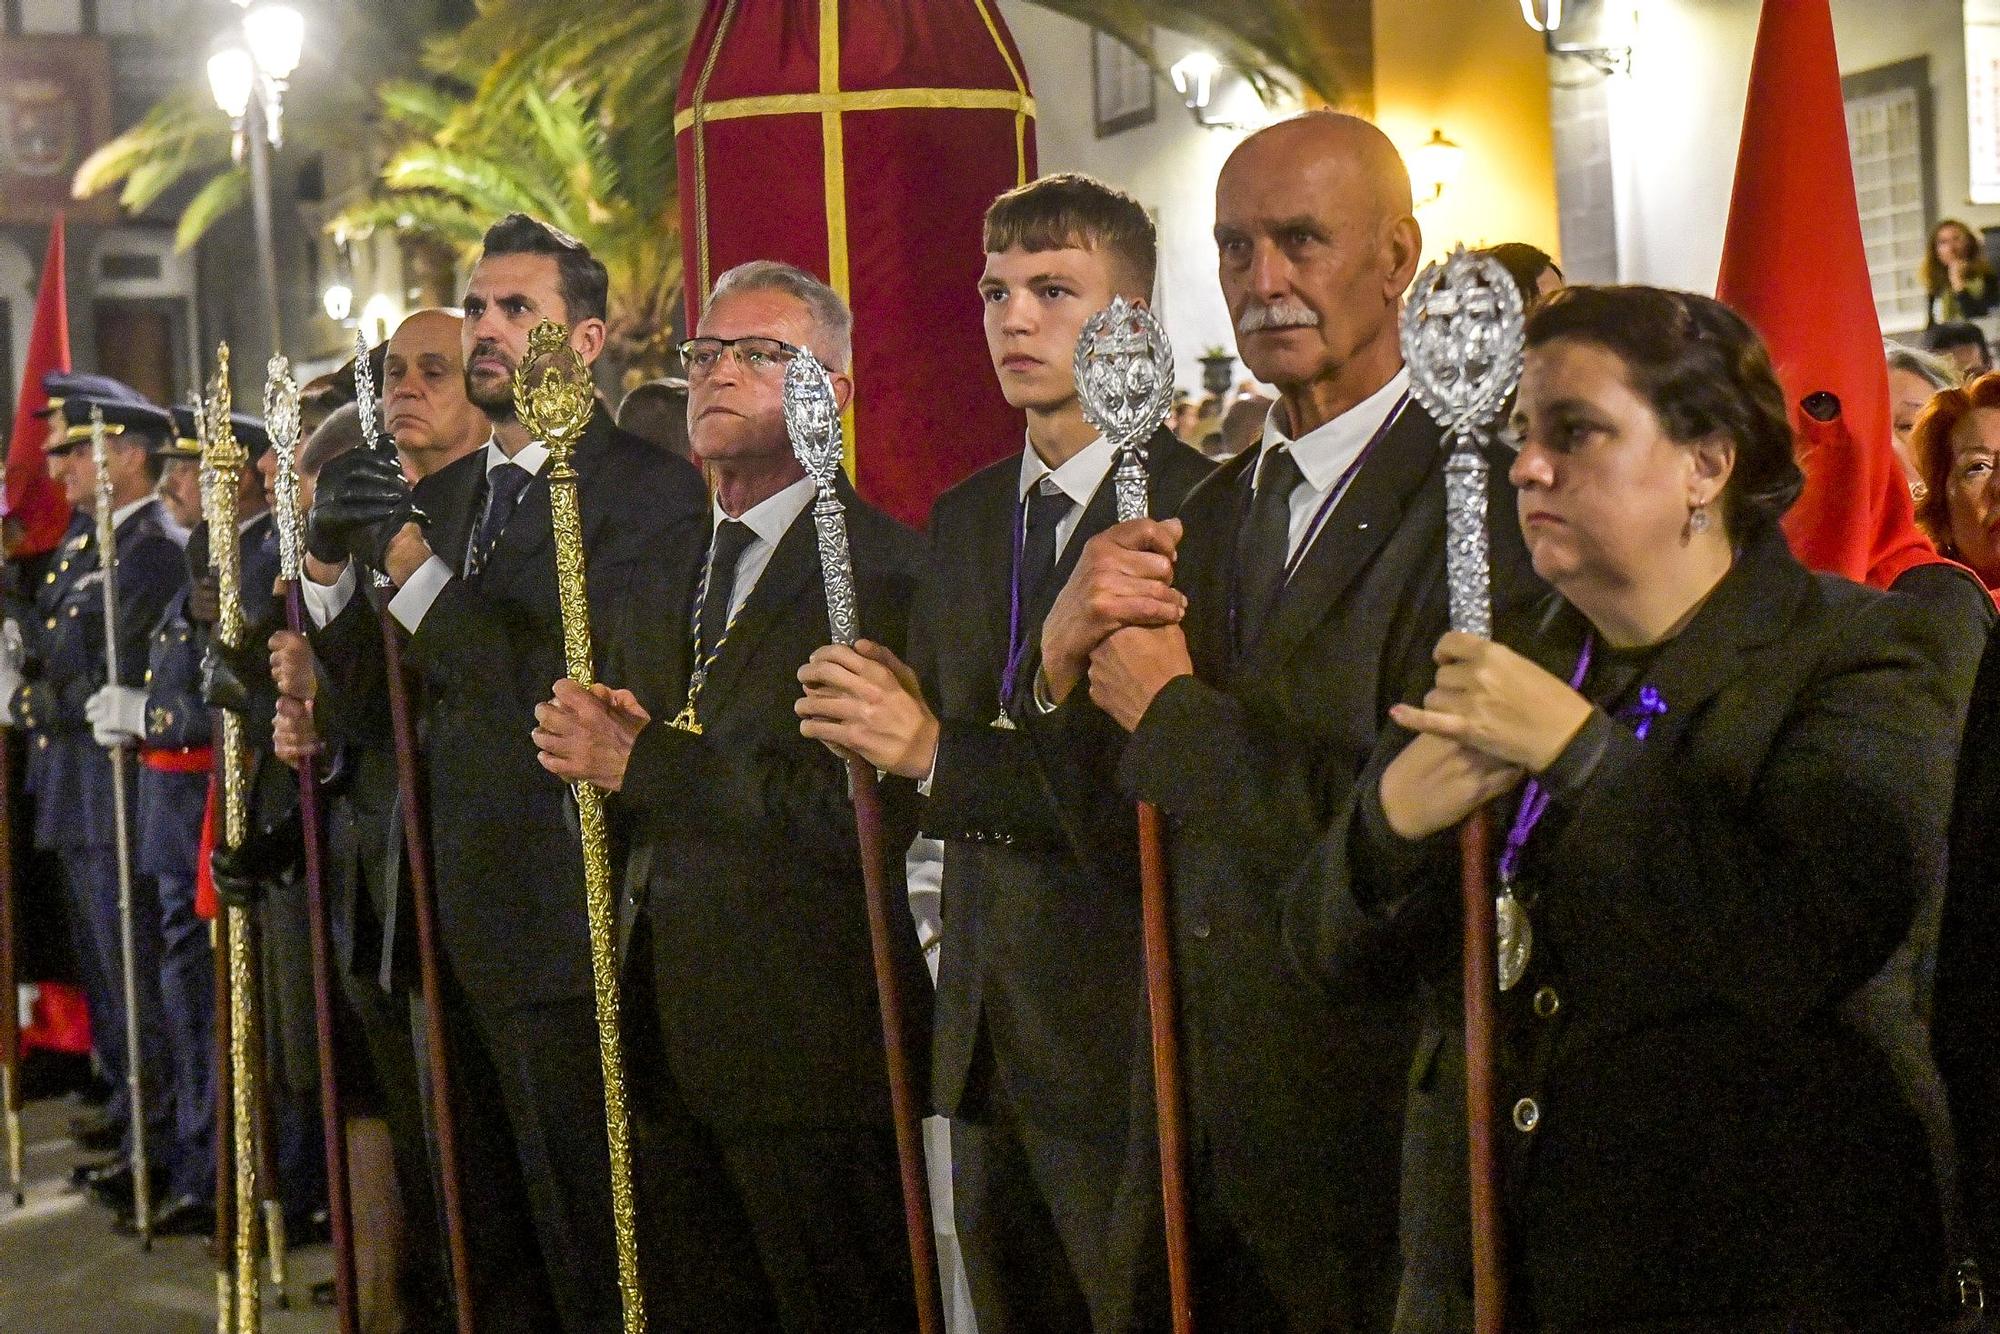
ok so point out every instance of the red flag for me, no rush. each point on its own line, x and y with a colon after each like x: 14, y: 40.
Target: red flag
x: 32, y: 499
x: 1794, y: 197
x: 863, y: 143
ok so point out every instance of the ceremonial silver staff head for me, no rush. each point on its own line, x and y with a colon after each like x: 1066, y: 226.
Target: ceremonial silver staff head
x: 365, y: 402
x: 281, y: 424
x: 1462, y: 338
x: 1463, y: 334
x: 1124, y: 371
x: 812, y: 419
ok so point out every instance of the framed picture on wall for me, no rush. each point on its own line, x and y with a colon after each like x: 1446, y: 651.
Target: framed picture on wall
x: 1121, y: 85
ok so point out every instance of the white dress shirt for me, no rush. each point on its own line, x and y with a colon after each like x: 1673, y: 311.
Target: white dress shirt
x: 1325, y: 453
x: 1078, y: 478
x: 769, y: 519
x: 417, y: 594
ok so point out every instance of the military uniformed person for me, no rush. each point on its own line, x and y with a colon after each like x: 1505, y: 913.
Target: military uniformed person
x: 72, y: 774
x: 170, y: 724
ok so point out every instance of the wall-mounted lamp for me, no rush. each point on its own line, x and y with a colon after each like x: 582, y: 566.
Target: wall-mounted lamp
x: 1543, y: 15
x: 1219, y: 96
x: 1607, y: 57
x: 338, y: 299
x: 380, y: 316
x: 1435, y: 163
x: 1194, y: 79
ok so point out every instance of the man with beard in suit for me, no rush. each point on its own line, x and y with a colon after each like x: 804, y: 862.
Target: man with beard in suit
x: 471, y: 553
x: 1040, y: 1010
x: 1251, y: 649
x: 769, y: 1176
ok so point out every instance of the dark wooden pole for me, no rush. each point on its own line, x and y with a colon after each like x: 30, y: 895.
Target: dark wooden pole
x: 417, y: 847
x: 339, y: 1195
x: 1162, y: 1009
x: 1489, y: 1275
x: 902, y: 1100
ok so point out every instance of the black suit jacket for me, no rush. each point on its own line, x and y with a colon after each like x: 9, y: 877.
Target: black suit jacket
x: 1712, y: 1140
x: 1041, y: 904
x: 1294, y: 1098
x: 509, y: 864
x: 745, y: 859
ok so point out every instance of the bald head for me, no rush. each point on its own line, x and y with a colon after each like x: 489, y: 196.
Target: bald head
x: 424, y: 407
x: 1322, y: 140
x: 1316, y: 243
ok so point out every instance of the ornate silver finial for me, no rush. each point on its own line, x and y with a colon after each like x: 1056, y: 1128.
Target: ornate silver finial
x: 281, y: 424
x: 365, y: 401
x: 1125, y: 383
x: 1463, y: 334
x: 812, y: 420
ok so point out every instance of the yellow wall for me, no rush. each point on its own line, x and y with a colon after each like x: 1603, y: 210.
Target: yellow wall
x: 1473, y: 69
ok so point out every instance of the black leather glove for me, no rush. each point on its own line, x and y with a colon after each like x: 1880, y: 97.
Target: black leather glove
x: 244, y: 874
x: 222, y: 685
x: 361, y: 502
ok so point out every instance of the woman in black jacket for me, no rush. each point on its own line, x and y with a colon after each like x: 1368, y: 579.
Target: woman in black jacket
x: 1722, y: 783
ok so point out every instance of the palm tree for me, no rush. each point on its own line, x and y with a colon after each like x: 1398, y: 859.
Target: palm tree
x: 468, y: 159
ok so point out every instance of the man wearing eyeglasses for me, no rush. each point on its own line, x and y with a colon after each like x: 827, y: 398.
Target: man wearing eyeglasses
x: 768, y: 1181
x: 471, y: 554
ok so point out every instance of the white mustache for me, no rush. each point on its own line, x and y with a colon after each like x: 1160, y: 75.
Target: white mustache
x: 1281, y: 315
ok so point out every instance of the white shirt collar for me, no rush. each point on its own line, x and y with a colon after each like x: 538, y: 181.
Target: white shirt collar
x: 532, y: 456
x: 127, y: 510
x: 1079, y: 476
x: 1324, y: 452
x: 771, y: 516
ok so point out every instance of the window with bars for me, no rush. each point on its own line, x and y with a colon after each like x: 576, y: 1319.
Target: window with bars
x: 1889, y: 139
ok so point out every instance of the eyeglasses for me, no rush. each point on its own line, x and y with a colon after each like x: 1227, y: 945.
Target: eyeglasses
x: 759, y: 356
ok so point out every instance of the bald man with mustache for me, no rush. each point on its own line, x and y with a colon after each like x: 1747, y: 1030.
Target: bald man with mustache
x: 1251, y: 649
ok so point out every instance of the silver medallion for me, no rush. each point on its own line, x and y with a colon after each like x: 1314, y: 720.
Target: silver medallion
x: 1513, y: 937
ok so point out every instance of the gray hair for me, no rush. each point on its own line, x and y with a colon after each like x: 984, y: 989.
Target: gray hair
x: 1929, y: 367
x: 830, y: 315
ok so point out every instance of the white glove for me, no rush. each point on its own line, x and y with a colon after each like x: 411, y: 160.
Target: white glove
x: 117, y: 715
x: 13, y: 653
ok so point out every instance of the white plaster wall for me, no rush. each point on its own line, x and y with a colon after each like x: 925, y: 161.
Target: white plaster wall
x: 1677, y: 118
x: 1170, y: 166
x: 18, y: 278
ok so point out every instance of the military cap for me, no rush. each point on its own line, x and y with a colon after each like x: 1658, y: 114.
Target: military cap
x: 119, y: 417
x: 61, y: 385
x: 185, y: 444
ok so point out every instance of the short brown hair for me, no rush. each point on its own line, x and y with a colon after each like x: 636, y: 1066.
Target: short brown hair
x: 1930, y: 447
x: 1703, y: 370
x: 1073, y: 210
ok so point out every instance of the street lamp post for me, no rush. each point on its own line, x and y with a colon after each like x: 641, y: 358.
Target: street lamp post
x: 248, y: 81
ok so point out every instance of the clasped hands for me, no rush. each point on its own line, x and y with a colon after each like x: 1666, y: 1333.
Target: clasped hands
x: 1491, y: 718
x: 1117, y: 622
x: 586, y: 735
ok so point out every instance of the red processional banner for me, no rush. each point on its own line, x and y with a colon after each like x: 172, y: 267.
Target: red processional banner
x: 862, y: 140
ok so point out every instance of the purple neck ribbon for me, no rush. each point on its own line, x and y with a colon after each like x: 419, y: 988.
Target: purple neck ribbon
x: 1535, y: 800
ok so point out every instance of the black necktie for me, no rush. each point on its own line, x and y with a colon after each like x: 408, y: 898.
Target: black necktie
x: 1266, y: 543
x: 730, y: 541
x: 505, y: 485
x: 1047, y: 508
